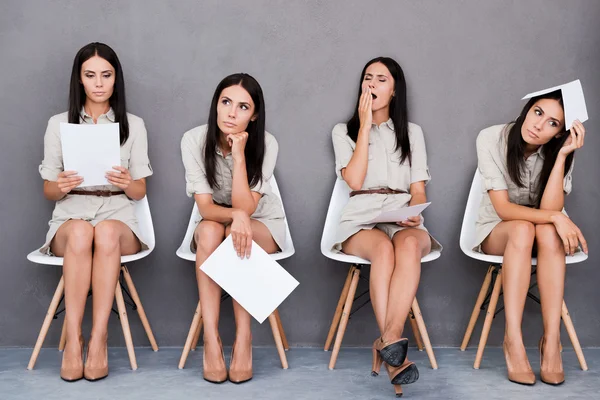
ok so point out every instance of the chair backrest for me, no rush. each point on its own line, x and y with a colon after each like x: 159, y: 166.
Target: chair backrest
x: 339, y: 198
x: 142, y: 213
x: 189, y: 234
x: 467, y: 232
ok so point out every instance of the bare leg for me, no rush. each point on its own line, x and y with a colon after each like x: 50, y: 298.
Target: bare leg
x: 243, y: 333
x: 514, y: 240
x: 73, y: 241
x: 409, y: 246
x: 551, y: 282
x: 112, y: 239
x: 208, y: 236
x: 375, y: 246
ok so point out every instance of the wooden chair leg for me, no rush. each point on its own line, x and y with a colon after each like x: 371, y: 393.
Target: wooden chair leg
x: 125, y: 325
x: 194, y: 329
x: 476, y: 310
x: 47, y: 322
x: 286, y: 346
x: 140, y: 308
x: 338, y: 310
x: 63, y: 336
x: 489, y: 317
x: 415, y: 329
x: 197, y: 335
x: 573, y: 336
x: 423, y: 331
x: 344, y: 317
x: 278, y: 341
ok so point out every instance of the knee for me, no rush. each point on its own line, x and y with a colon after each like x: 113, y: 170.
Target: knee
x: 522, y: 234
x: 384, y: 252
x: 409, y: 245
x: 547, y: 238
x: 208, y: 236
x: 106, y: 237
x: 81, y: 237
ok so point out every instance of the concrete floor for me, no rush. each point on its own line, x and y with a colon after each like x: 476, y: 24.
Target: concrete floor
x: 308, y: 377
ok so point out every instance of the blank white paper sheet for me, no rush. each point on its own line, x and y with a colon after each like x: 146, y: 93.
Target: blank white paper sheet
x: 258, y: 283
x: 91, y: 150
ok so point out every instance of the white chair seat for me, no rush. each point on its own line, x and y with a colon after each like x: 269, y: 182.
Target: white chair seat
x: 467, y: 233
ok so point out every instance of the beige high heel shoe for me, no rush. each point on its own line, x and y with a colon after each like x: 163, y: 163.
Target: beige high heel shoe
x: 72, y: 374
x: 550, y: 378
x: 521, y: 377
x: 214, y: 375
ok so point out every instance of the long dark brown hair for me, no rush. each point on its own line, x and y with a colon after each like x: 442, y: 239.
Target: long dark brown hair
x: 255, y: 146
x: 398, y: 107
x: 77, y: 95
x: 515, y: 151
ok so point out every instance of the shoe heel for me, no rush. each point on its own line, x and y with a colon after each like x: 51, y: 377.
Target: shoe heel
x: 398, y: 390
x: 377, y: 361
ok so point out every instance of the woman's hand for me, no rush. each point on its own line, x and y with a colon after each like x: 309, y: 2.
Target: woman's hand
x: 569, y: 233
x: 68, y: 180
x: 241, y: 233
x: 121, y: 179
x: 411, y: 222
x: 238, y: 144
x: 365, y: 110
x: 575, y: 140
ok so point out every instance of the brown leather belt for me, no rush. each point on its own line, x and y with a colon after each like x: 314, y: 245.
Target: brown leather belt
x: 376, y: 191
x: 100, y: 193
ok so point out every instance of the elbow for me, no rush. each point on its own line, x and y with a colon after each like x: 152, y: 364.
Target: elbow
x: 354, y: 185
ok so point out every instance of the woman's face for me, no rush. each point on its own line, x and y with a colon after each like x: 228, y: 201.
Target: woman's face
x: 235, y: 110
x: 98, y: 79
x: 544, y: 120
x: 382, y: 85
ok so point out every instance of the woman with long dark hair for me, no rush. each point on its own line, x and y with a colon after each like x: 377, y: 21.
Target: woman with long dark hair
x: 228, y: 164
x: 526, y: 167
x: 382, y: 157
x: 92, y: 227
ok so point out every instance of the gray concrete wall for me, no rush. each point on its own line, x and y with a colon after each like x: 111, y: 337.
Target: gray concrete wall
x: 467, y: 64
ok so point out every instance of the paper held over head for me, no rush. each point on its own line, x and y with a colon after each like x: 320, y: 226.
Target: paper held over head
x: 401, y: 214
x: 259, y: 284
x: 91, y: 150
x: 573, y: 101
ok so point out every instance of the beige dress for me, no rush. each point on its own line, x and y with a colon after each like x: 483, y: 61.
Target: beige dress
x: 491, y: 162
x: 269, y: 210
x: 383, y: 171
x: 134, y: 156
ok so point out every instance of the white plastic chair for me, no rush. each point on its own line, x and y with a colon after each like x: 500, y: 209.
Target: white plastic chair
x: 184, y: 251
x: 339, y: 198
x: 494, y: 273
x: 142, y: 212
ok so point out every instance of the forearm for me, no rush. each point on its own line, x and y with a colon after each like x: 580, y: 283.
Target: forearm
x: 511, y: 212
x: 554, y: 195
x: 214, y: 212
x: 136, y: 189
x: 356, y: 170
x: 52, y: 191
x: 241, y: 196
x: 418, y: 198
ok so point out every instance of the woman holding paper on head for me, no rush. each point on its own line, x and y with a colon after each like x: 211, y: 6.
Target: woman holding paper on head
x: 228, y: 164
x: 93, y: 226
x: 526, y: 167
x: 382, y: 157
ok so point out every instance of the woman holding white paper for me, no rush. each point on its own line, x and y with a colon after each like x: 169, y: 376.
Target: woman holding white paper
x: 382, y: 157
x: 93, y: 226
x: 526, y: 167
x: 228, y: 164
